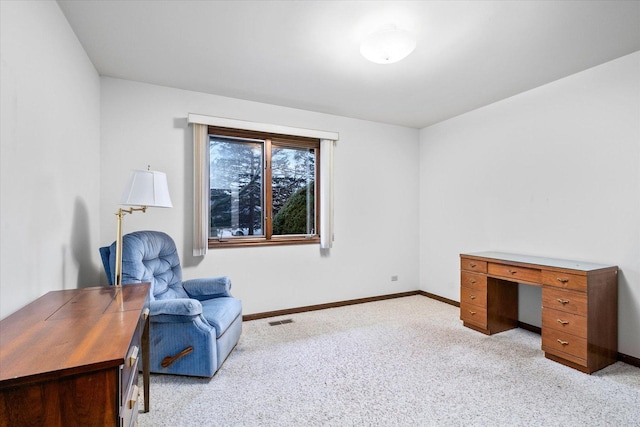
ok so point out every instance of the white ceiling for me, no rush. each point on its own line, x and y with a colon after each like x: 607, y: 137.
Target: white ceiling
x: 305, y: 54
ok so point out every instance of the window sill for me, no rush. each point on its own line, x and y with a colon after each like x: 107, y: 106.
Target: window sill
x: 274, y: 241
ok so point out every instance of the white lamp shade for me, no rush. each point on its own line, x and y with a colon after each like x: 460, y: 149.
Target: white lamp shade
x: 388, y: 45
x: 147, y: 188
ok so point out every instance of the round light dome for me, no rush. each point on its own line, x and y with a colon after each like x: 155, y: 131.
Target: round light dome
x: 388, y: 45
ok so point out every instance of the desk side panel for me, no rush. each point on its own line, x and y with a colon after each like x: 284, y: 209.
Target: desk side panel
x: 78, y: 400
x: 502, y: 305
x: 603, y: 320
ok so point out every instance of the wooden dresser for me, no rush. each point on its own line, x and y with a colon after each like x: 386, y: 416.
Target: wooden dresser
x: 71, y: 358
x: 579, y: 303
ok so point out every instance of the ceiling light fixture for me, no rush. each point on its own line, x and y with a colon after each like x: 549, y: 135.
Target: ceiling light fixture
x: 388, y: 45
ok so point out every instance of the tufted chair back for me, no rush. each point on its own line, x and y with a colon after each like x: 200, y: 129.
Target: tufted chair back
x: 193, y: 325
x: 151, y: 256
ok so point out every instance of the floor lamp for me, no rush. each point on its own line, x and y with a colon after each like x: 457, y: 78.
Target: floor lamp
x: 145, y: 189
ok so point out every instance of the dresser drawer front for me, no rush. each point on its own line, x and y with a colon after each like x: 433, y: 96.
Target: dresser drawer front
x: 566, y: 322
x: 473, y: 296
x: 563, y: 300
x: 129, y: 409
x: 130, y: 368
x: 473, y: 280
x: 514, y: 274
x: 564, y: 280
x: 473, y: 314
x: 473, y: 265
x: 561, y: 343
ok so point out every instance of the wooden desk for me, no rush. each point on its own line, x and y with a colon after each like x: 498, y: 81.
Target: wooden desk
x: 70, y: 358
x: 579, y: 303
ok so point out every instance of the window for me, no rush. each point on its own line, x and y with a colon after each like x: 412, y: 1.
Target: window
x: 262, y: 188
x: 302, y: 139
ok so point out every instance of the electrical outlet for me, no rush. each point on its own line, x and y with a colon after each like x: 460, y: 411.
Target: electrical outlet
x: 394, y: 278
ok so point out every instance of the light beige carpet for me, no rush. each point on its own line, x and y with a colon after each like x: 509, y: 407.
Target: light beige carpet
x: 401, y: 362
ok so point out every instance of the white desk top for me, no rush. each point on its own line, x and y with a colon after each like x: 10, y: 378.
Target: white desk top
x: 549, y: 262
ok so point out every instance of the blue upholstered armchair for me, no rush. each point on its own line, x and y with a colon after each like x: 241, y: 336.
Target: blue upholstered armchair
x: 194, y: 324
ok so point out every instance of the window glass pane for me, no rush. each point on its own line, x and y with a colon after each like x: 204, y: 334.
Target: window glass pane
x: 293, y: 181
x: 235, y: 185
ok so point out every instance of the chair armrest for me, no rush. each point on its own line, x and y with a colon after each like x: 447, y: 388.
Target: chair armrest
x: 213, y: 287
x: 175, y: 307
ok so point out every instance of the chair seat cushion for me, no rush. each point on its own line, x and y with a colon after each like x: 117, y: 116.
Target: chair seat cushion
x: 221, y: 312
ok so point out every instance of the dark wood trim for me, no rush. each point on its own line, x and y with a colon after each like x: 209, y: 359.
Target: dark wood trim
x: 241, y: 242
x: 630, y: 360
x: 439, y: 298
x: 528, y: 327
x: 288, y: 311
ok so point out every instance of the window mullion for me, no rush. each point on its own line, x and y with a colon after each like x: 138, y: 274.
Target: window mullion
x: 268, y: 193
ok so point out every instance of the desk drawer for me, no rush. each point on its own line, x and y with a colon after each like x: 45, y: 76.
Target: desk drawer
x: 473, y: 296
x: 514, y: 274
x: 564, y: 280
x: 129, y: 411
x: 567, y: 322
x: 473, y: 280
x: 560, y: 343
x: 130, y: 366
x: 473, y: 314
x: 563, y: 300
x: 473, y: 265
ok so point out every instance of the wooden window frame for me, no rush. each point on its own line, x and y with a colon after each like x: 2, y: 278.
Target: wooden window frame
x: 268, y: 239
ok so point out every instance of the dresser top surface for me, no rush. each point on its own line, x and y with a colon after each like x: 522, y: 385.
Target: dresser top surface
x: 70, y: 330
x: 542, y: 261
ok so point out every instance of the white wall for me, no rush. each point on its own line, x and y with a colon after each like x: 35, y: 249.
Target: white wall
x: 376, y: 208
x: 50, y: 136
x: 553, y: 172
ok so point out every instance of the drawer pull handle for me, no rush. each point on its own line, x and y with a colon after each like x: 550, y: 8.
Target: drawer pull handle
x: 134, y: 397
x: 512, y: 271
x: 563, y: 342
x: 132, y: 356
x: 563, y: 279
x: 473, y: 281
x: 472, y: 312
x: 563, y: 301
x: 563, y: 322
x: 473, y: 265
x: 472, y: 296
x: 145, y: 313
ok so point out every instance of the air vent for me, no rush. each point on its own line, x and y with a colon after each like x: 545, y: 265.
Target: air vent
x: 280, y: 322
